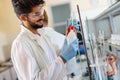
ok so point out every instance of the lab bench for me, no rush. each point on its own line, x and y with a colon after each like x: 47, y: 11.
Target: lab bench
x: 7, y: 72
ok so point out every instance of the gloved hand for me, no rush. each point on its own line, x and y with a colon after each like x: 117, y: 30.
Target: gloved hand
x: 69, y: 51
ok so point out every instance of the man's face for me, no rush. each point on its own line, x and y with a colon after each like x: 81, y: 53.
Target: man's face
x: 36, y: 17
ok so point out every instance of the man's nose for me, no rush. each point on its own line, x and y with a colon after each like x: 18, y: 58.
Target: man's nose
x: 42, y: 17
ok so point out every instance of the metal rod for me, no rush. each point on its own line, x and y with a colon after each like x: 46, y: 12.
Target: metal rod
x: 81, y: 27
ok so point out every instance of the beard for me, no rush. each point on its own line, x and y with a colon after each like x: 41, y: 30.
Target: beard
x: 35, y: 26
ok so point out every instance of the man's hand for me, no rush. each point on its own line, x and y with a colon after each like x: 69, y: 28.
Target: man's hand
x: 69, y: 51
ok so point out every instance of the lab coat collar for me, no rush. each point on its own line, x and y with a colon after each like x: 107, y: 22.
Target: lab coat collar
x: 32, y: 35
x: 45, y: 30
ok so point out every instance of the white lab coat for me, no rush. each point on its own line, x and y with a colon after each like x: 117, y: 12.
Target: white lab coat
x: 32, y: 61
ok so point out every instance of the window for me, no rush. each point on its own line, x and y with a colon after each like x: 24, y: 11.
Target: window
x: 60, y: 14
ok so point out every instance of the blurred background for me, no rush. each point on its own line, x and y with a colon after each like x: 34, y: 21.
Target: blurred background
x: 95, y: 14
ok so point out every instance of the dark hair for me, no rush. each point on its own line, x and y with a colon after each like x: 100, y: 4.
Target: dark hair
x: 25, y: 6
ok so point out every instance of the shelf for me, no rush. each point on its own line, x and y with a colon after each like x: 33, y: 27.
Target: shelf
x: 110, y: 10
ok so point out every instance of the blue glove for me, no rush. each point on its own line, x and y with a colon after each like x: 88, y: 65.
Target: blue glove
x: 69, y: 51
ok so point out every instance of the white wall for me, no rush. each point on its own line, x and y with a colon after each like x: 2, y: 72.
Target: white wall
x: 3, y: 41
x: 9, y: 28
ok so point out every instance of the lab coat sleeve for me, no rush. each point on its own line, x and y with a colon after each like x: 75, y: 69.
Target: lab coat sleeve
x: 27, y: 67
x: 56, y: 38
x: 54, y: 72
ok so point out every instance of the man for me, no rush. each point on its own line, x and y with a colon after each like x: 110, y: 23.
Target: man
x: 36, y: 54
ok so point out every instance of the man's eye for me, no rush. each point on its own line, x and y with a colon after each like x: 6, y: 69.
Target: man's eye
x: 37, y: 14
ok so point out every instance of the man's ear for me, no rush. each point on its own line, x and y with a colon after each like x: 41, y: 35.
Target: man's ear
x: 23, y: 17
